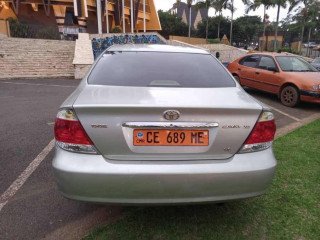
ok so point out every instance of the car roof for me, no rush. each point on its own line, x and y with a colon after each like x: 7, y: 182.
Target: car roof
x: 273, y: 54
x: 155, y: 48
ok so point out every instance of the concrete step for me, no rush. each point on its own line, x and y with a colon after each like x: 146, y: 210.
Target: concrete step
x: 21, y: 57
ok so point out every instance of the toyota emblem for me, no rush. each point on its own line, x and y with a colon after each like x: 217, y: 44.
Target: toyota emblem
x: 171, y: 115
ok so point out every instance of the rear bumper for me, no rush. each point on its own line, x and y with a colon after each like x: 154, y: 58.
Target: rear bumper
x: 92, y: 178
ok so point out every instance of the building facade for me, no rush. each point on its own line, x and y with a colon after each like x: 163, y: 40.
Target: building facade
x: 267, y: 42
x: 182, y: 10
x: 71, y: 17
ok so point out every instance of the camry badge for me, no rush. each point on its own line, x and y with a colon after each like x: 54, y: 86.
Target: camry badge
x: 171, y: 115
x: 99, y: 125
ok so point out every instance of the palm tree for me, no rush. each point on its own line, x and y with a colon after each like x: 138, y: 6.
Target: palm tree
x: 207, y: 4
x: 232, y: 9
x: 308, y: 13
x: 252, y: 6
x: 219, y: 5
x: 280, y: 4
x: 229, y: 4
x: 189, y: 3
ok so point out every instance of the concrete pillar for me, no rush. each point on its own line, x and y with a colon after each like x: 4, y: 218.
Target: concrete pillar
x: 131, y: 15
x: 123, y: 18
x: 85, y: 4
x: 98, y: 2
x: 107, y: 16
x: 75, y: 7
x: 144, y: 16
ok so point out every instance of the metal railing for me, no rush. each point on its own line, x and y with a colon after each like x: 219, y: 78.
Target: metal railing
x: 24, y: 30
x: 310, y: 52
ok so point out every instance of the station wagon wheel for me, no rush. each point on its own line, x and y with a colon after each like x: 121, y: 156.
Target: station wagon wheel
x: 290, y: 96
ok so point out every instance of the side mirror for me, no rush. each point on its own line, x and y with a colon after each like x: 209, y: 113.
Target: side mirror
x: 273, y: 69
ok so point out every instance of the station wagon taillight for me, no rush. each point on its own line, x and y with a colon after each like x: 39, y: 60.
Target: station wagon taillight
x: 70, y: 135
x: 262, y: 135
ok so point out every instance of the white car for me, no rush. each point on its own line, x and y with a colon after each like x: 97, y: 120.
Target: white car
x: 310, y: 45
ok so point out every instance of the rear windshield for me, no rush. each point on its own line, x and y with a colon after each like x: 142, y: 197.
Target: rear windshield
x: 143, y: 69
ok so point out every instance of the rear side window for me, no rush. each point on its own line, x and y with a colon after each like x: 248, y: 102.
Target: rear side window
x: 266, y: 63
x: 250, y: 61
x: 158, y: 69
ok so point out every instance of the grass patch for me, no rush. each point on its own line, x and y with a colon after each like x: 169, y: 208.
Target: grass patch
x: 290, y: 209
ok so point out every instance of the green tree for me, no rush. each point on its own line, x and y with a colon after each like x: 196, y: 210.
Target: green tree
x: 280, y: 4
x: 307, y: 12
x: 207, y: 4
x: 172, y: 25
x: 229, y: 4
x: 253, y: 6
x: 219, y: 5
x: 247, y: 28
x: 290, y: 28
x: 216, y: 25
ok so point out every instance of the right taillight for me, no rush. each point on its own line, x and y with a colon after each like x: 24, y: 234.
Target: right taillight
x: 70, y: 135
x: 262, y: 135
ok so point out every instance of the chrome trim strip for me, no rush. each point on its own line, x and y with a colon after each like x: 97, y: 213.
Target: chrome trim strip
x: 174, y: 125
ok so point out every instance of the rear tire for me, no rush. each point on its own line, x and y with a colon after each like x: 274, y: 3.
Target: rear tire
x: 290, y: 96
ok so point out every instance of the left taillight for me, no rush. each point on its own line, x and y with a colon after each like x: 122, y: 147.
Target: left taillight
x: 70, y: 135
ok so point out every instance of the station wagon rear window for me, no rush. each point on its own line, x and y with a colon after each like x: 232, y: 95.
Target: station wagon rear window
x: 160, y: 69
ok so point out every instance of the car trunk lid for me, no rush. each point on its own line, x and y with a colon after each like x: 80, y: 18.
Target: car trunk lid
x: 111, y: 114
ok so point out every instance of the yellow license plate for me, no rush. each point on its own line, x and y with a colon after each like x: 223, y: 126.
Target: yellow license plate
x: 168, y: 137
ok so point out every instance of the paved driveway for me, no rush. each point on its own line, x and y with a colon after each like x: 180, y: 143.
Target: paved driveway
x: 30, y: 206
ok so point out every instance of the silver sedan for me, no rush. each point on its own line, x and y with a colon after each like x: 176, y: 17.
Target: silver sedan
x: 157, y: 124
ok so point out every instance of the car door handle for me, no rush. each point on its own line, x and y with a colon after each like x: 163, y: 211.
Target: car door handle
x: 239, y: 69
x: 257, y: 73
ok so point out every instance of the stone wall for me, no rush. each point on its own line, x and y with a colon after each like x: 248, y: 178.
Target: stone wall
x: 188, y: 40
x: 182, y: 44
x: 36, y: 58
x: 227, y: 53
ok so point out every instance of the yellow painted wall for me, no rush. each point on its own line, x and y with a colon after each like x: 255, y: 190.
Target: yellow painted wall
x: 188, y: 40
x: 4, y: 27
x: 271, y: 38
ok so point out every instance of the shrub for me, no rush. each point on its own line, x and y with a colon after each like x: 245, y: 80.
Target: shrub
x: 213, y: 41
x: 24, y: 30
x: 116, y: 29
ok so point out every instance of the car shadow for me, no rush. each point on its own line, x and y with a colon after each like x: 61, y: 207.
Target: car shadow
x: 274, y: 98
x: 194, y: 221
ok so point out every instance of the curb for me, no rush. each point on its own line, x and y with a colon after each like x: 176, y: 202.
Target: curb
x: 293, y: 126
x: 79, y: 228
